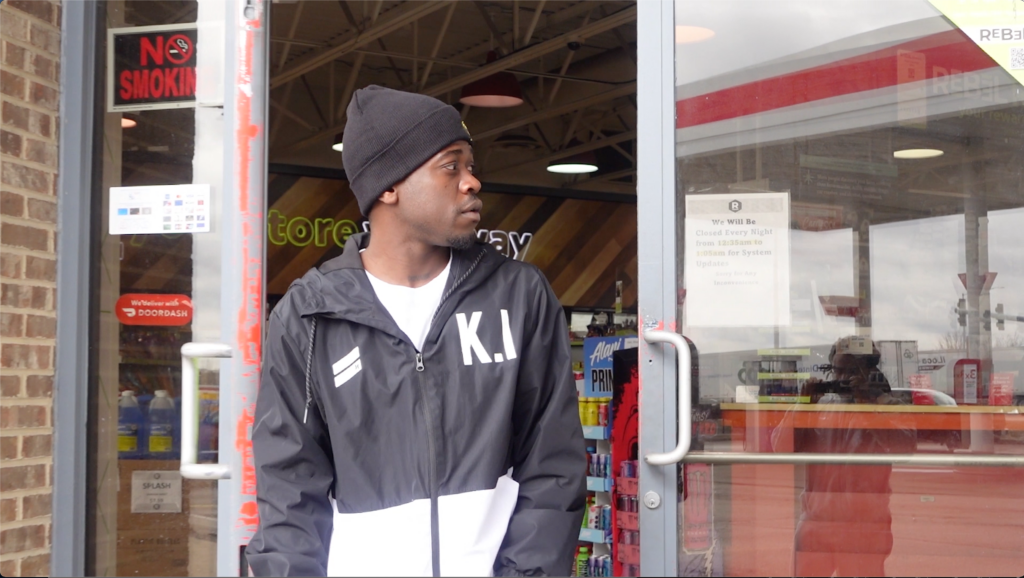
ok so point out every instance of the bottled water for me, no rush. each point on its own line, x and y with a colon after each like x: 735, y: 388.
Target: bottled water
x: 161, y: 426
x: 130, y: 430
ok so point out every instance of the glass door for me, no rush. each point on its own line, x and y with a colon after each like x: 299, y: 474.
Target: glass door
x: 831, y: 206
x: 177, y: 308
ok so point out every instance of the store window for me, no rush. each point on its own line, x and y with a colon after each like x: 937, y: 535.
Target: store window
x: 155, y: 288
x: 851, y: 212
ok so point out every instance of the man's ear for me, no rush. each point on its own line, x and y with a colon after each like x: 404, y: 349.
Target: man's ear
x: 389, y: 197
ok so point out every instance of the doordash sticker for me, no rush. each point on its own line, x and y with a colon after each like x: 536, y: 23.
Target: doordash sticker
x: 153, y: 309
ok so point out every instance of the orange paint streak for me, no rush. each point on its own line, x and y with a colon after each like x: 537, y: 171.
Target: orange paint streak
x: 250, y: 314
x: 243, y: 444
x: 248, y: 514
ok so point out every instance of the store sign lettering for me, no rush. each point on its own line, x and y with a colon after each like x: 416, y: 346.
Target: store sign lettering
x: 322, y: 232
x: 301, y: 231
x: 509, y: 244
x: 995, y: 26
x: 153, y: 67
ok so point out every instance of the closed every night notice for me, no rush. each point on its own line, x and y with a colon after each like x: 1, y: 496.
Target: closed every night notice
x: 738, y: 273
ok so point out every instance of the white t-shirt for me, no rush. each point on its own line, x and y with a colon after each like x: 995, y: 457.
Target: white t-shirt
x: 412, y: 308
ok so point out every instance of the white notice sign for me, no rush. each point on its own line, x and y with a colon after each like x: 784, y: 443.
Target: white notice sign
x: 737, y: 260
x: 156, y: 492
x: 159, y: 209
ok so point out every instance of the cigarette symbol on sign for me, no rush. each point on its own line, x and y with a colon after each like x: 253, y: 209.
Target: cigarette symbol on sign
x: 179, y: 49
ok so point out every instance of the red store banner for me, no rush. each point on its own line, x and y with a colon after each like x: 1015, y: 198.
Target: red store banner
x: 153, y: 309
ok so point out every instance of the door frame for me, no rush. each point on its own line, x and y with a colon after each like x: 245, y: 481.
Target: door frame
x: 80, y: 57
x: 656, y: 259
x: 242, y: 304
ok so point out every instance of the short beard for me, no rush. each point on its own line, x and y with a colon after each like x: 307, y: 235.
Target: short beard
x: 462, y: 243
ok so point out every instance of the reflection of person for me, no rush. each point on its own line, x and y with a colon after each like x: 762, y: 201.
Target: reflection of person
x: 845, y: 527
x: 417, y: 414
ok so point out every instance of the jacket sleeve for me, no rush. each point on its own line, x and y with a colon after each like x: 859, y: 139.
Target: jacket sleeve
x: 294, y: 469
x: 548, y: 453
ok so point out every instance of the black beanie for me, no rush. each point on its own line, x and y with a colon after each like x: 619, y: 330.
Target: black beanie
x: 389, y: 134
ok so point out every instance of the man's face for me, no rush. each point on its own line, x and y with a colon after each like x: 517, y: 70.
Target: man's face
x: 438, y: 202
x: 860, y: 371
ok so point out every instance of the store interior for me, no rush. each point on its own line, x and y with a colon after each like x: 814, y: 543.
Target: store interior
x: 568, y: 102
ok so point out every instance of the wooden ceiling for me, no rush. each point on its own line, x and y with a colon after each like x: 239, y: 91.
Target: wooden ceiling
x: 575, y: 62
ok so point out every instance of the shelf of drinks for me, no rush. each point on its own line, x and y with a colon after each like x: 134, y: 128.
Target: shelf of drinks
x: 628, y: 553
x: 626, y: 486
x: 597, y: 484
x: 594, y: 535
x: 628, y: 520
x: 595, y: 432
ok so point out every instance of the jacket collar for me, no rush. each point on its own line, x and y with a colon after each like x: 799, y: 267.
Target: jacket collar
x: 339, y: 288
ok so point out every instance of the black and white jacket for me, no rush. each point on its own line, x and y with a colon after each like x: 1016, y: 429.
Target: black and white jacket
x: 372, y: 458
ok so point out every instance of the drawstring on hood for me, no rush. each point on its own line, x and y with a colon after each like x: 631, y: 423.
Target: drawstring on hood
x: 309, y: 367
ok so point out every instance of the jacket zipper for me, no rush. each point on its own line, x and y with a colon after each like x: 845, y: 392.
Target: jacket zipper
x: 435, y: 520
x: 435, y: 526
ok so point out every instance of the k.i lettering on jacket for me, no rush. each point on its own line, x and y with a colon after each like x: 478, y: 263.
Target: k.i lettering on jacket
x: 470, y: 340
x: 349, y: 365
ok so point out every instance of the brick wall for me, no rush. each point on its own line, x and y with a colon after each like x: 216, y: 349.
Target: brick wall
x: 29, y: 83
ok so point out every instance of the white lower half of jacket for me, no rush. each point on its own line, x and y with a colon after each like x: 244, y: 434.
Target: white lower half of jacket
x: 396, y: 541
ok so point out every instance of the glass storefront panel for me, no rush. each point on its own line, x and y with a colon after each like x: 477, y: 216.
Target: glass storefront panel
x: 850, y: 213
x: 158, y: 287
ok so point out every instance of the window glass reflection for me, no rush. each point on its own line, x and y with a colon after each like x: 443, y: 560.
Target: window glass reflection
x: 895, y: 143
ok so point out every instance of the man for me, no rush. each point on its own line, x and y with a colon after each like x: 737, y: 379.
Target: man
x: 845, y: 528
x: 417, y: 414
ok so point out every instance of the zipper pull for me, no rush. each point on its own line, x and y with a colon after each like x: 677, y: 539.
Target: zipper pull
x: 419, y: 362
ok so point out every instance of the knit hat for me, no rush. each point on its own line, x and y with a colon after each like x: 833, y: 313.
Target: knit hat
x: 389, y: 134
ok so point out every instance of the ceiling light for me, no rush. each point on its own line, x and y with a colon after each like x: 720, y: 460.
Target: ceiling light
x: 127, y: 122
x: 498, y: 90
x: 691, y: 34
x: 564, y: 168
x: 338, y: 145
x: 917, y: 153
x: 575, y: 165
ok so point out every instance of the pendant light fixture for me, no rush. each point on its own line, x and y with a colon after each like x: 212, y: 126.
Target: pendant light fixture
x: 917, y: 153
x: 577, y: 164
x: 337, y: 142
x: 498, y: 90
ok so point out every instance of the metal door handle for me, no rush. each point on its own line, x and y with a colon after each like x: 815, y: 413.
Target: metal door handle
x: 682, y: 394
x: 190, y: 414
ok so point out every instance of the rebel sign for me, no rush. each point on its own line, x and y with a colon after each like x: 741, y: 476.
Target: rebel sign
x: 153, y: 309
x: 153, y: 67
